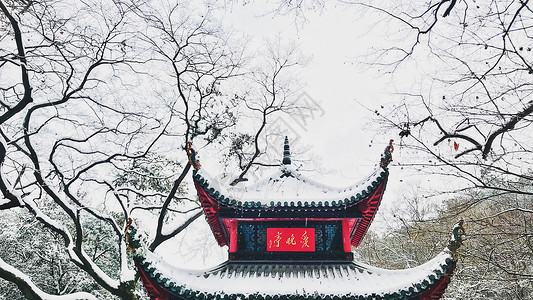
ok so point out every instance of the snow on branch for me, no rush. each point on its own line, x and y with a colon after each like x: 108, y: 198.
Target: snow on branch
x: 78, y: 256
x: 30, y: 290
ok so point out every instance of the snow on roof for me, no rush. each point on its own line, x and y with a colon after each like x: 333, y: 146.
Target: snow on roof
x: 288, y: 185
x: 298, y: 279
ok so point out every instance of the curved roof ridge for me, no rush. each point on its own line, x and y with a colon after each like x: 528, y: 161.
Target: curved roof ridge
x: 442, y: 258
x: 288, y: 169
x: 289, y: 185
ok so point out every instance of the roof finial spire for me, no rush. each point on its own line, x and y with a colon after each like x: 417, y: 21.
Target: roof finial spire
x: 286, y: 152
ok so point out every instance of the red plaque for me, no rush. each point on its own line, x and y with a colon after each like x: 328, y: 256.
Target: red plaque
x: 291, y: 239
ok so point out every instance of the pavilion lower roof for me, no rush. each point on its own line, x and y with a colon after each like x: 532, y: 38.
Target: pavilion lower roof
x: 285, y: 281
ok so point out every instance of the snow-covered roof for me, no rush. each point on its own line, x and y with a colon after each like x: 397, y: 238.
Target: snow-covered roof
x: 314, y: 281
x: 288, y: 187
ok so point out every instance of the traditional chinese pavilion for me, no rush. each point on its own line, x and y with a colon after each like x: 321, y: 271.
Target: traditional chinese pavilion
x: 290, y: 237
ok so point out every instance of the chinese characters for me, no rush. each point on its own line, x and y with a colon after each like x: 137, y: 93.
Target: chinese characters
x: 291, y: 239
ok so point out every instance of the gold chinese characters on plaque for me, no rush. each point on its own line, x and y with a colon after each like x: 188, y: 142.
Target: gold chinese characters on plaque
x: 291, y: 239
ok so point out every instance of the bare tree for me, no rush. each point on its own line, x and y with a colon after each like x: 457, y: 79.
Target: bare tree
x: 297, y: 10
x: 472, y: 109
x: 196, y: 57
x: 59, y: 66
x: 275, y: 90
x: 99, y: 102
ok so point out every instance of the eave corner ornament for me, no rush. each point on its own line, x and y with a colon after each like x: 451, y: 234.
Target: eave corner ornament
x: 386, y: 157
